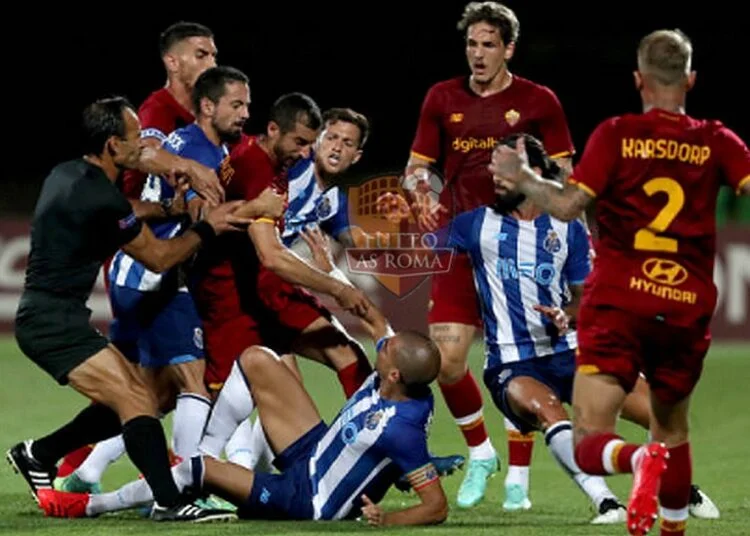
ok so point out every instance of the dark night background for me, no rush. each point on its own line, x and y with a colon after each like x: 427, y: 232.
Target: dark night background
x: 378, y: 58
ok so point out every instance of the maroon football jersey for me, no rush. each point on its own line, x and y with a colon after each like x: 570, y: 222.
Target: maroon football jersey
x: 656, y: 177
x: 225, y: 286
x: 160, y: 115
x: 458, y: 129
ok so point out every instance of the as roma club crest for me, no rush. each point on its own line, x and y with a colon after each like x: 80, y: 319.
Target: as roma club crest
x: 512, y: 116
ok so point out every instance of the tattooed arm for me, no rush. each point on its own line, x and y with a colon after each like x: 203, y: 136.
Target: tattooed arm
x: 563, y: 201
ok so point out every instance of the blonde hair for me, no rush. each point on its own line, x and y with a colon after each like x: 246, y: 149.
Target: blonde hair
x: 666, y: 56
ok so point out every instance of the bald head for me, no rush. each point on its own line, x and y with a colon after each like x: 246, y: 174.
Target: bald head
x: 417, y: 358
x: 665, y: 56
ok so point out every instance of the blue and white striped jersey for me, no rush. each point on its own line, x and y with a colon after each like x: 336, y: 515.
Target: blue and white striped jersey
x: 369, y: 445
x: 189, y: 142
x: 309, y: 204
x: 518, y: 264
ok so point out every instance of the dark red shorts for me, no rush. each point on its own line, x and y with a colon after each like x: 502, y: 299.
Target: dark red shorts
x: 615, y: 342
x: 290, y: 305
x: 224, y: 343
x: 453, y: 297
x: 276, y: 329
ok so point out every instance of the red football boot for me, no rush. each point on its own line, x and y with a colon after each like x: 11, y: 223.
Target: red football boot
x: 62, y: 503
x: 643, y: 507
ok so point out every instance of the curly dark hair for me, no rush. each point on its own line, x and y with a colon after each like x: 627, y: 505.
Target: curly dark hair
x: 495, y: 14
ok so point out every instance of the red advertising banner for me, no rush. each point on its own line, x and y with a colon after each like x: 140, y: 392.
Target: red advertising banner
x: 15, y: 243
x: 405, y: 310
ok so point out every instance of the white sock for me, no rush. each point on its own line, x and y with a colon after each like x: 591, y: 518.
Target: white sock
x: 239, y: 448
x: 483, y: 451
x: 104, y: 453
x: 190, y: 416
x: 233, y: 405
x: 559, y: 439
x: 674, y: 516
x: 138, y: 492
x: 608, y: 459
x: 261, y: 449
x: 519, y: 475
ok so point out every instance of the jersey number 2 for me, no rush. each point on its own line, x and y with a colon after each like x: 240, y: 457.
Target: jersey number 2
x: 646, y: 238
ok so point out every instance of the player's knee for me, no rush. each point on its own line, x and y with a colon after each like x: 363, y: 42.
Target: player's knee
x: 453, y: 366
x: 581, y: 430
x: 256, y: 358
x: 551, y: 411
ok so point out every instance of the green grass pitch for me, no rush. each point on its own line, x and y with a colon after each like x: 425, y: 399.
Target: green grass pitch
x: 32, y: 405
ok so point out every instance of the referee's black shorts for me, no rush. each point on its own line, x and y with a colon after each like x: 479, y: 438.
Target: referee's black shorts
x: 55, y: 332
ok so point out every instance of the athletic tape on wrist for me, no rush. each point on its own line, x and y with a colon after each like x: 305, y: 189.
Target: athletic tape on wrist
x: 381, y: 341
x: 336, y: 273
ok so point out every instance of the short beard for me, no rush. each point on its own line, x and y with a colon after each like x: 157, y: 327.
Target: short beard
x: 230, y: 137
x: 226, y: 136
x: 507, y: 204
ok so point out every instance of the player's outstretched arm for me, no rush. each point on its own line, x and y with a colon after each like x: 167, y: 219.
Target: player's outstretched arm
x: 511, y: 167
x: 268, y: 204
x: 276, y: 257
x: 161, y: 255
x: 432, y: 510
x: 372, y: 319
x: 150, y: 210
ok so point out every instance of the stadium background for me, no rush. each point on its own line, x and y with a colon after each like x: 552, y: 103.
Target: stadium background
x: 378, y: 59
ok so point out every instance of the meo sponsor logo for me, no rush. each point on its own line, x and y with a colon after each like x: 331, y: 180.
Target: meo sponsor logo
x: 543, y: 273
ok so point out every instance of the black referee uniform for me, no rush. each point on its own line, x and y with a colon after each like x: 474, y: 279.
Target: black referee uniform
x: 80, y: 220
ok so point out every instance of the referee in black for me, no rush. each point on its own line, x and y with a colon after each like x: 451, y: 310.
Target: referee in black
x: 80, y: 220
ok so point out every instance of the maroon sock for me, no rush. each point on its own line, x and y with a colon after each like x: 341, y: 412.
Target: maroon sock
x: 592, y: 450
x: 464, y: 399
x: 353, y: 376
x: 674, y: 494
x: 520, y: 448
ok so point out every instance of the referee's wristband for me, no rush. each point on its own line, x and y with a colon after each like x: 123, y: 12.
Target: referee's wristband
x: 204, y: 230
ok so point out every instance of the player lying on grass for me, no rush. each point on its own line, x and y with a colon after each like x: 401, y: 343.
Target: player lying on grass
x: 328, y: 472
